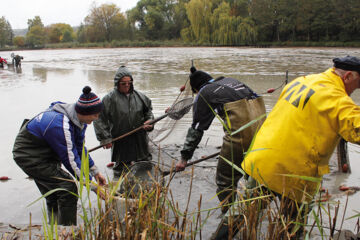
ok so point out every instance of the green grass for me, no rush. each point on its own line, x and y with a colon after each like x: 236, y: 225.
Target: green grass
x: 153, y: 213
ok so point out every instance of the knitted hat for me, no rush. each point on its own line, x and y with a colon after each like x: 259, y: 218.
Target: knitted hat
x: 198, y: 79
x: 347, y: 63
x: 88, y: 103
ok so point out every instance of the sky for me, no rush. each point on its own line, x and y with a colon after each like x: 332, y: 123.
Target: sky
x: 72, y: 12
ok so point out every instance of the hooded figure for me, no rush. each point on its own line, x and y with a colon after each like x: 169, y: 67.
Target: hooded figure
x: 125, y: 109
x: 53, y: 138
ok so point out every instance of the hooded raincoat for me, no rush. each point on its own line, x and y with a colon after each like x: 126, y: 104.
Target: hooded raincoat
x: 300, y: 134
x: 121, y: 114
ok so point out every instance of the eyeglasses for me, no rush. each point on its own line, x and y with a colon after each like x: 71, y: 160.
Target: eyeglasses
x: 125, y: 83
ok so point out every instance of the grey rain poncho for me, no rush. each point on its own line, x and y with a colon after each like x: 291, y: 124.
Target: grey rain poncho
x: 121, y: 114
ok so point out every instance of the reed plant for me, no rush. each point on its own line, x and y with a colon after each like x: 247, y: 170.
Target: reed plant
x: 148, y: 213
x: 151, y: 212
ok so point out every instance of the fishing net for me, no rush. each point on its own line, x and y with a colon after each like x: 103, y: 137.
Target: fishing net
x: 141, y: 175
x: 181, y: 106
x: 179, y: 109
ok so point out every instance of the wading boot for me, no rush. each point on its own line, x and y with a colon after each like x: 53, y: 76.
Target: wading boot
x: 224, y: 231
x: 67, y: 216
x: 52, y: 216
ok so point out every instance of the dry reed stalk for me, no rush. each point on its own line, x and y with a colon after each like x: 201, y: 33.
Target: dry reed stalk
x: 198, y: 218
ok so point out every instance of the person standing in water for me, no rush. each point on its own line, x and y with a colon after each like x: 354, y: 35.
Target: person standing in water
x: 53, y: 138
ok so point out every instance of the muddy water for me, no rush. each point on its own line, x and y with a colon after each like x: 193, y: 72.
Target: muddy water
x: 51, y: 75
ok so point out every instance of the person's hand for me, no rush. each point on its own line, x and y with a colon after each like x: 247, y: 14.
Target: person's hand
x: 147, y: 126
x: 97, y: 189
x: 180, y: 165
x: 100, y: 179
x: 107, y: 146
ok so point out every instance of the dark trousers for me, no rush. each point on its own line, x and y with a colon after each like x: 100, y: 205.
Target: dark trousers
x: 61, y: 204
x: 40, y: 162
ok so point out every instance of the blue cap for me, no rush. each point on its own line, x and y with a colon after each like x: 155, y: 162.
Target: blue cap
x: 349, y: 63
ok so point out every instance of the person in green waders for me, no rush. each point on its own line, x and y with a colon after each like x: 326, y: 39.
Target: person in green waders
x: 125, y: 109
x: 53, y: 138
x: 231, y: 99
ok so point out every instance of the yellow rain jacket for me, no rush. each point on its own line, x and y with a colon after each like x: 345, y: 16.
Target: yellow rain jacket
x: 300, y: 134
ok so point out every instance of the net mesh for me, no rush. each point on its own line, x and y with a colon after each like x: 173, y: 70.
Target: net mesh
x: 179, y: 108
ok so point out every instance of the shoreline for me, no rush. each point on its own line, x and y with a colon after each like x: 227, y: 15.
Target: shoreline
x: 149, y: 44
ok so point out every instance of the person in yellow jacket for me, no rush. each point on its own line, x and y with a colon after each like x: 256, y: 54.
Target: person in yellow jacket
x: 301, y: 132
x: 291, y: 151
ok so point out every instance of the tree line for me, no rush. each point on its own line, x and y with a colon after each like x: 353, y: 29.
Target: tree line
x: 203, y: 22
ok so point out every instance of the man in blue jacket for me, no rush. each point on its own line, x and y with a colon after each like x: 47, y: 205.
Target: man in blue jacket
x: 54, y: 137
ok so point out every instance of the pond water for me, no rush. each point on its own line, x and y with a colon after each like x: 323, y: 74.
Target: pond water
x: 51, y: 75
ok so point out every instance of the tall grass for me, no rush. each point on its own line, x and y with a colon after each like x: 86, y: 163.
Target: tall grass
x: 151, y: 212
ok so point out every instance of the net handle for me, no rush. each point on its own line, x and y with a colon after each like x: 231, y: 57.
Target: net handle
x: 165, y: 173
x: 170, y: 113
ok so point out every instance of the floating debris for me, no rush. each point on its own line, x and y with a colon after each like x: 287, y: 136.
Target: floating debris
x: 270, y: 90
x: 344, y: 188
x: 4, y: 178
x: 110, y: 165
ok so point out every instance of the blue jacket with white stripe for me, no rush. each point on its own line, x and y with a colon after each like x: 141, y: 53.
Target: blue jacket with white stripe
x: 61, y: 129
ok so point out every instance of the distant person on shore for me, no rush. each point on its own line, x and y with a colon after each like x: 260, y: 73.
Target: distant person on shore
x: 125, y: 109
x: 301, y: 132
x: 2, y: 61
x: 16, y: 60
x: 236, y: 104
x: 53, y: 138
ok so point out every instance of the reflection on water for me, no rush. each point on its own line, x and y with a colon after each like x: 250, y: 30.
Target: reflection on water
x: 41, y: 73
x: 51, y: 75
x: 102, y: 80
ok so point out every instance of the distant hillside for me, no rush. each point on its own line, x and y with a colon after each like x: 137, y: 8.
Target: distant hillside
x: 20, y: 32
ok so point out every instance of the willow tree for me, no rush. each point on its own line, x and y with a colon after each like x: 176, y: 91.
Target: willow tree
x: 104, y: 23
x: 221, y: 22
x: 246, y: 31
x: 199, y: 13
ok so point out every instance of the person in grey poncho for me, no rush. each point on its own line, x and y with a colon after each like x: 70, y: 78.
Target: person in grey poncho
x: 125, y: 109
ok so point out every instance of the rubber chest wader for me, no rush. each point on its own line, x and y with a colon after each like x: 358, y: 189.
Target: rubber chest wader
x: 34, y: 156
x: 233, y: 148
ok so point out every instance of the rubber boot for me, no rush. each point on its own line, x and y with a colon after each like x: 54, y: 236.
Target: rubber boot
x: 222, y: 232
x: 52, y: 216
x: 67, y: 216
